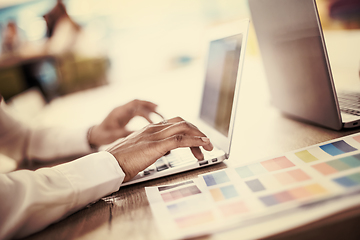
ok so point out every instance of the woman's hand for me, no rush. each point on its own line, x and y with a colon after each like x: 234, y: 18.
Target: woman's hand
x: 114, y: 125
x: 142, y: 148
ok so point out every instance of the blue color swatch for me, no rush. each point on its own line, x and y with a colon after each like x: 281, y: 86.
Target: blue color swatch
x: 337, y: 148
x: 269, y: 200
x: 345, y: 182
x: 343, y: 146
x: 255, y: 185
x: 244, y: 172
x: 216, y: 178
x: 229, y: 191
x: 349, y: 181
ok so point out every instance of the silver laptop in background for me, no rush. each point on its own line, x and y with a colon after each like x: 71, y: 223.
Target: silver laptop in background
x: 297, y: 66
x: 218, y: 107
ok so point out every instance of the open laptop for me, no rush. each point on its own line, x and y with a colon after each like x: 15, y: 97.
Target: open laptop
x: 297, y: 66
x: 217, y: 111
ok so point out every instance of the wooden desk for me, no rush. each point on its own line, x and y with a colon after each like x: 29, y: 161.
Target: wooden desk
x: 259, y: 126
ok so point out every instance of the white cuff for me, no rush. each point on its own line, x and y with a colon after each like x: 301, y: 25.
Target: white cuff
x: 92, y: 177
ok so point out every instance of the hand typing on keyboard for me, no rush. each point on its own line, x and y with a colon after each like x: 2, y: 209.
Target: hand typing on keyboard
x: 142, y: 148
x: 114, y: 126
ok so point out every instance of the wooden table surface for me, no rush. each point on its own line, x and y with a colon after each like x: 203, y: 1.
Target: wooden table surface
x: 261, y: 131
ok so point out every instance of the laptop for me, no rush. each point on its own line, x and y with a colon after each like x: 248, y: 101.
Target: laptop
x: 297, y: 66
x: 216, y: 115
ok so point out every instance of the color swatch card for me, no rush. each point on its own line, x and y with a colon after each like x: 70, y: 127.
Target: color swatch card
x: 246, y: 193
x: 186, y: 209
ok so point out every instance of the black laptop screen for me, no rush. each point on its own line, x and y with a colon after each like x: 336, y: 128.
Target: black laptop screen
x: 220, y: 80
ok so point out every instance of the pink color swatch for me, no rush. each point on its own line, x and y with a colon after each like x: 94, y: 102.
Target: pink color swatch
x: 357, y: 138
x: 194, y: 220
x: 324, y: 168
x: 277, y: 164
x: 300, y: 193
x: 233, y: 209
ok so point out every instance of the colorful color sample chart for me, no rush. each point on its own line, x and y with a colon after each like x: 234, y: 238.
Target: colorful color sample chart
x: 306, y: 156
x: 180, y: 193
x: 337, y: 148
x: 223, y: 193
x: 216, y: 178
x: 338, y: 165
x: 250, y: 170
x: 298, y: 193
x: 357, y: 138
x: 195, y: 219
x: 293, y: 176
x: 255, y: 185
x: 349, y: 181
x: 323, y: 173
x: 331, y: 149
x: 264, y: 167
x: 277, y: 164
x: 182, y: 206
x: 234, y: 208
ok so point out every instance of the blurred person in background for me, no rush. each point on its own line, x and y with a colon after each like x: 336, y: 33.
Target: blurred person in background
x: 31, y: 200
x: 61, y: 35
x: 62, y: 31
x: 63, y: 62
x: 11, y: 39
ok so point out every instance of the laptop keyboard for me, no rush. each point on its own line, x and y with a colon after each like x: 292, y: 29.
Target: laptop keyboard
x: 167, y: 162
x: 181, y: 158
x: 178, y: 160
x: 349, y: 102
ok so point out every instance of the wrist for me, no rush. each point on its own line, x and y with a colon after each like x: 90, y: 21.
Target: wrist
x: 93, y: 146
x: 121, y: 164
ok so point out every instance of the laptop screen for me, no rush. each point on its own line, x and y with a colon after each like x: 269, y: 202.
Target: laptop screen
x: 220, y: 81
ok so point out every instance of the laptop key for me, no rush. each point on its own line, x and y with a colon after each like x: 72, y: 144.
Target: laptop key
x: 161, y: 165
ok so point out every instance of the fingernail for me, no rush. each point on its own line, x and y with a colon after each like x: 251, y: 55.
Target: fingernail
x: 205, y: 139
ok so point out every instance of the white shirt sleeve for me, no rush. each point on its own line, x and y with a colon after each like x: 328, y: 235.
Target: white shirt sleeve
x: 20, y: 142
x: 31, y: 200
x: 46, y: 144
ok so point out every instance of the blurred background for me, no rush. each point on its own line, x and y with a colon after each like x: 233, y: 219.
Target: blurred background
x: 55, y: 48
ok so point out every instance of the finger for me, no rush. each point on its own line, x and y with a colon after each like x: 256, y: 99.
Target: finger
x: 156, y: 127
x: 136, y: 104
x: 166, y: 123
x: 179, y: 119
x: 177, y: 128
x: 209, y: 147
x: 145, y: 113
x: 197, y: 153
x: 163, y: 130
x: 175, y: 120
x: 148, y: 104
x: 177, y: 141
x: 160, y: 116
